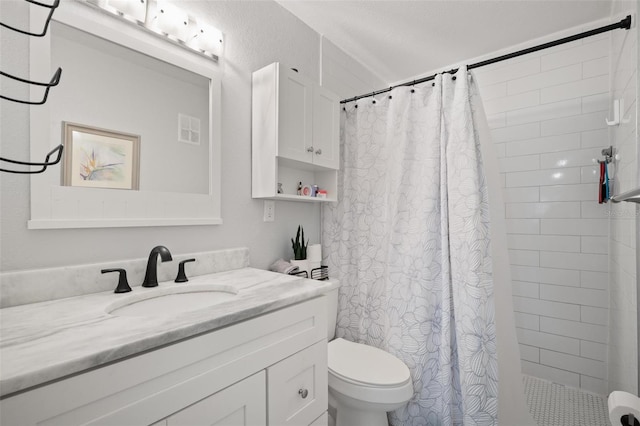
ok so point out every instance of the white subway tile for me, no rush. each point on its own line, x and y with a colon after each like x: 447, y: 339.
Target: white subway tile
x: 595, y: 245
x: 574, y: 329
x: 516, y: 133
x: 575, y: 89
x: 501, y: 150
x: 493, y: 91
x: 579, y: 261
x: 552, y: 374
x: 543, y: 145
x: 575, y: 123
x: 544, y: 242
x: 577, y: 55
x: 544, y: 177
x: 548, y: 341
x: 595, y: 139
x: 599, y: 280
x: 529, y: 353
x: 524, y: 257
x: 528, y: 321
x: 510, y: 103
x: 546, y: 308
x: 594, y: 103
x: 574, y: 158
x: 510, y: 71
x: 593, y: 350
x: 597, y: 227
x: 594, y: 315
x: 525, y: 289
x: 590, y: 174
x: 588, y: 367
x: 581, y: 296
x: 545, y: 79
x: 523, y: 226
x: 551, y: 111
x: 543, y: 210
x: 522, y: 194
x: 525, y: 273
x: 577, y: 192
x: 496, y: 121
x: 593, y: 210
x: 518, y: 164
x: 559, y: 276
x: 595, y: 67
x: 594, y: 385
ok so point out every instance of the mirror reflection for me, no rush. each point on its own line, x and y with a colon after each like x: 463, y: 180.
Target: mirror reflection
x: 108, y: 86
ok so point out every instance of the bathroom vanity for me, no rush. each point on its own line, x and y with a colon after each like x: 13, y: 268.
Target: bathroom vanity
x: 259, y: 357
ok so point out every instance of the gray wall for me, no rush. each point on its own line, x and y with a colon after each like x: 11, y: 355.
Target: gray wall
x: 256, y: 34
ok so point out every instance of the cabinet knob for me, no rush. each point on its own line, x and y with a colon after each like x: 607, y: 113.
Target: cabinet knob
x: 303, y: 393
x: 319, y: 151
x: 310, y: 149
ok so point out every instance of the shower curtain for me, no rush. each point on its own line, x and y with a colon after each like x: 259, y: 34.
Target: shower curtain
x: 410, y: 242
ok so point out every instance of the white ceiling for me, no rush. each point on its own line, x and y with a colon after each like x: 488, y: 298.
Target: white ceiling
x: 399, y: 40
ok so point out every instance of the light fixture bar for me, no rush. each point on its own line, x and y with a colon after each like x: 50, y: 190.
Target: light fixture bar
x: 171, y: 38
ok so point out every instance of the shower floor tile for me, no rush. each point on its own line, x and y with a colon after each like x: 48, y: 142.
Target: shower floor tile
x: 552, y: 404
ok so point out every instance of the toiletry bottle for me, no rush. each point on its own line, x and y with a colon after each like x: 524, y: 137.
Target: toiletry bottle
x: 299, y: 188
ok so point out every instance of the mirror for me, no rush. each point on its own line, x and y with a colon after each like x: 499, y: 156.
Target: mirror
x: 119, y: 79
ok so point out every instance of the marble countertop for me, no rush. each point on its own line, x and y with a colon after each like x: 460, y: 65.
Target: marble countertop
x: 46, y: 341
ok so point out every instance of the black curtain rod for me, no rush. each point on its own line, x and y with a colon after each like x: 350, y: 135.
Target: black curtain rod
x: 623, y: 24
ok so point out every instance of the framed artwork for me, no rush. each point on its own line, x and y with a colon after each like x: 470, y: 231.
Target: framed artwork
x: 100, y: 158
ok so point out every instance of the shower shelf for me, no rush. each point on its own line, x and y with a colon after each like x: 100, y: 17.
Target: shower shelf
x: 632, y: 196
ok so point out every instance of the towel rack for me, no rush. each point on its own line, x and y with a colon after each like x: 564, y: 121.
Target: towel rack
x: 632, y: 196
x: 52, y: 8
x: 54, y: 82
x: 43, y: 165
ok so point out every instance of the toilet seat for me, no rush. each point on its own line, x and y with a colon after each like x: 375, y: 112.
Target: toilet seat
x: 368, y: 374
x: 366, y: 365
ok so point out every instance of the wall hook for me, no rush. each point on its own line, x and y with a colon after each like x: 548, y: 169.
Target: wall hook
x: 618, y: 111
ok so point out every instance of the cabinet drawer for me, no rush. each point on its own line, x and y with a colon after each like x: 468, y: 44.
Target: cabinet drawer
x: 297, y: 387
x: 323, y: 420
x: 238, y: 405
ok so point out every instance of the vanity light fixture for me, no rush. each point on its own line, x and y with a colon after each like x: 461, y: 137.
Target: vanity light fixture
x: 207, y: 39
x: 130, y: 9
x: 165, y: 20
x: 170, y: 20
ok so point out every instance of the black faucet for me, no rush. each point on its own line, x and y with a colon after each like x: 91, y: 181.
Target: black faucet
x: 151, y: 276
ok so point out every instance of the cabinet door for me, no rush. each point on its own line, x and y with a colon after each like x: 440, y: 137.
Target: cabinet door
x: 297, y: 387
x: 241, y: 404
x: 326, y: 128
x: 295, y: 98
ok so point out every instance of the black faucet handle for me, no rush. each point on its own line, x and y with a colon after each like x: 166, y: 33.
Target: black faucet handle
x: 123, y: 284
x: 182, y: 277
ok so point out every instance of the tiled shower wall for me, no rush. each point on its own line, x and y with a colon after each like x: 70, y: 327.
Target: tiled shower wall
x: 547, y: 114
x: 623, y: 344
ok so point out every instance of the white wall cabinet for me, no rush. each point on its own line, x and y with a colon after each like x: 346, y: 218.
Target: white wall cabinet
x: 295, y: 135
x: 250, y: 373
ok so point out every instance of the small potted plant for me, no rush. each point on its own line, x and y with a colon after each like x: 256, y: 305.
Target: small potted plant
x: 300, y: 251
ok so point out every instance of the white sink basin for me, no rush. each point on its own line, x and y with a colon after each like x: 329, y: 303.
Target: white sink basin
x: 171, y: 301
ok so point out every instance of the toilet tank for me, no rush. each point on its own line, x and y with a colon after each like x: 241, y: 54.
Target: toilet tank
x: 332, y: 311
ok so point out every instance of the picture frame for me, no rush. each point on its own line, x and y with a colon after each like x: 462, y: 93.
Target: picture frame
x: 100, y: 158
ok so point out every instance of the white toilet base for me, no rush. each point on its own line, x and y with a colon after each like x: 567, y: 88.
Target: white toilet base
x: 349, y: 416
x: 353, y: 412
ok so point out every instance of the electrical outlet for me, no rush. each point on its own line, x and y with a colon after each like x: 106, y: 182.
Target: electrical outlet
x: 269, y: 210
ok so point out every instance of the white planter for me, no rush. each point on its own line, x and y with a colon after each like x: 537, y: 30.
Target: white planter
x: 303, y: 265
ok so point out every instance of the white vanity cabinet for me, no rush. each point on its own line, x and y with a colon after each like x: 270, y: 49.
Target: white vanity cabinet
x: 295, y: 134
x: 267, y: 370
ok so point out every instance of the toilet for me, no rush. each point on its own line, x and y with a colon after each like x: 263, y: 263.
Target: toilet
x: 364, y: 382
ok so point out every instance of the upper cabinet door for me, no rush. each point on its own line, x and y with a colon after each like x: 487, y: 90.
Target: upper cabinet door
x: 295, y: 116
x: 326, y: 128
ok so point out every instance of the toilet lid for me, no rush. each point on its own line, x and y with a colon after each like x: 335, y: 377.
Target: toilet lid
x: 364, y: 364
